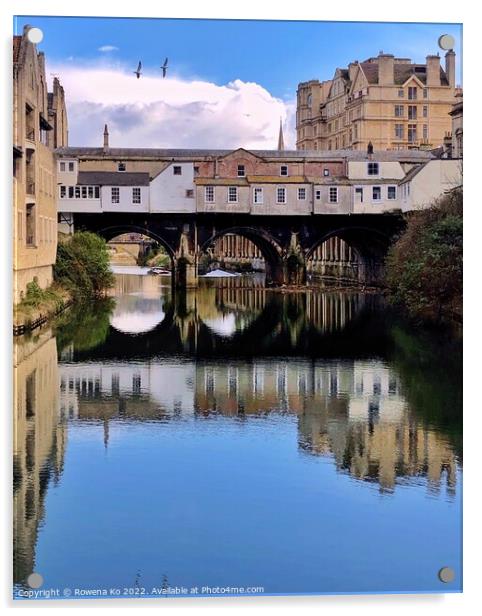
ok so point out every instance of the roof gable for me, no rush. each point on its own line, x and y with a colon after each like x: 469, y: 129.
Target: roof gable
x: 241, y: 153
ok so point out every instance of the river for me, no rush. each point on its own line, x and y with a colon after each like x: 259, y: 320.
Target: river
x: 234, y: 437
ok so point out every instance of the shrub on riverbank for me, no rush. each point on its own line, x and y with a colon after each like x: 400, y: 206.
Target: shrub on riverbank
x: 424, y: 266
x: 82, y: 265
x: 39, y: 304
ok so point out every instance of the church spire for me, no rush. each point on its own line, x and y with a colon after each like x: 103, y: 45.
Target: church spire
x: 281, y: 141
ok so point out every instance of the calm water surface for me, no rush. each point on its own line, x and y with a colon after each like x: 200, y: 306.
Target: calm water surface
x: 237, y: 437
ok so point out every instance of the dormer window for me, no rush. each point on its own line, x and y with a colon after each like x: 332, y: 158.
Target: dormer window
x: 373, y: 169
x: 241, y: 171
x: 283, y: 170
x: 177, y: 170
x: 326, y: 172
x: 121, y: 167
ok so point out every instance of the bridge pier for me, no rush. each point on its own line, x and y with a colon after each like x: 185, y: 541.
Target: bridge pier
x: 185, y: 261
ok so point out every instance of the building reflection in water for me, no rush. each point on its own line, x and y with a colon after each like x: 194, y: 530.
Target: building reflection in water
x: 39, y: 442
x: 350, y: 410
x: 353, y: 412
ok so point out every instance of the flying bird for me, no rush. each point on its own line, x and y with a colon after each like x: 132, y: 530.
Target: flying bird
x: 138, y: 72
x: 164, y: 68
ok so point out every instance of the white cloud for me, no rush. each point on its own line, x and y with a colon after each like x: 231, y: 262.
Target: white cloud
x: 172, y: 112
x: 107, y: 48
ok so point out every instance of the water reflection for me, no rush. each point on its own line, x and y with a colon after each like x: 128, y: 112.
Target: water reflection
x: 292, y: 385
x: 39, y: 442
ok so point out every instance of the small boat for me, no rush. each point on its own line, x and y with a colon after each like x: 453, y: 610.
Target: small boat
x: 159, y: 271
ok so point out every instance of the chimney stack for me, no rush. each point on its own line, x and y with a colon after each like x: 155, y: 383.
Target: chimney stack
x: 106, y: 138
x: 385, y: 69
x: 450, y: 67
x: 433, y: 71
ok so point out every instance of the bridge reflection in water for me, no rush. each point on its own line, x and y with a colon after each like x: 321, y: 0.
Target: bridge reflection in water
x: 326, y: 369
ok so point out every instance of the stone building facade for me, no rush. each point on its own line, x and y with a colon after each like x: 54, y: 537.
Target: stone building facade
x: 37, y: 129
x: 390, y: 102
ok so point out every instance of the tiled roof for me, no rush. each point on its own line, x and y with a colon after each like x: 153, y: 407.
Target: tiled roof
x: 221, y: 181
x: 113, y: 178
x: 17, y: 40
x: 401, y: 72
x: 411, y: 174
x: 286, y: 155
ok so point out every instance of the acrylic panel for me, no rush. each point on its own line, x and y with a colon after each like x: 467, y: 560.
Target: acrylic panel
x: 238, y: 308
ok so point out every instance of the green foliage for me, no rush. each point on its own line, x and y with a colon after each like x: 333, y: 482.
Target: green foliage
x: 424, y: 267
x: 35, y: 297
x: 82, y: 265
x: 85, y: 326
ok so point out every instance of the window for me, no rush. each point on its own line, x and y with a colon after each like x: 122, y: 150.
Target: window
x: 412, y: 93
x: 392, y: 192
x: 209, y: 194
x: 359, y: 194
x: 399, y: 111
x: 412, y: 112
x: 377, y: 193
x: 63, y: 192
x: 258, y: 196
x: 30, y: 224
x: 317, y: 195
x: 90, y: 192
x: 121, y: 167
x: 425, y: 93
x: 62, y: 166
x: 283, y: 170
x: 399, y: 131
x: 77, y: 192
x: 96, y: 192
x: 189, y: 193
x: 241, y: 171
x: 136, y: 195
x: 84, y: 192
x: 114, y: 195
x: 372, y: 169
x: 177, y: 170
x: 71, y: 167
x: 333, y: 194
x: 425, y: 111
x: 400, y: 93
x: 71, y: 192
x: 412, y: 133
x: 425, y: 132
x: 326, y: 172
x: 232, y: 194
x: 196, y: 170
x: 301, y: 194
x: 281, y: 194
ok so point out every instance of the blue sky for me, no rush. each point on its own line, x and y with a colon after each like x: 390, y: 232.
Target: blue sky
x: 274, y: 55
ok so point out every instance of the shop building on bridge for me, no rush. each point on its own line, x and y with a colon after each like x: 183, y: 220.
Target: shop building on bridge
x: 259, y: 183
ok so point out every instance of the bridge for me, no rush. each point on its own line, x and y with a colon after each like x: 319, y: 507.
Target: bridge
x: 287, y: 243
x: 334, y: 213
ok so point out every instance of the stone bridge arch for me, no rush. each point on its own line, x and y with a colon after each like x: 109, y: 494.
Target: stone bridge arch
x: 265, y: 242
x: 364, y: 263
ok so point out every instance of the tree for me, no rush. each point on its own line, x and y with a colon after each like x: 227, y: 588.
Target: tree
x: 424, y: 266
x: 82, y: 265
